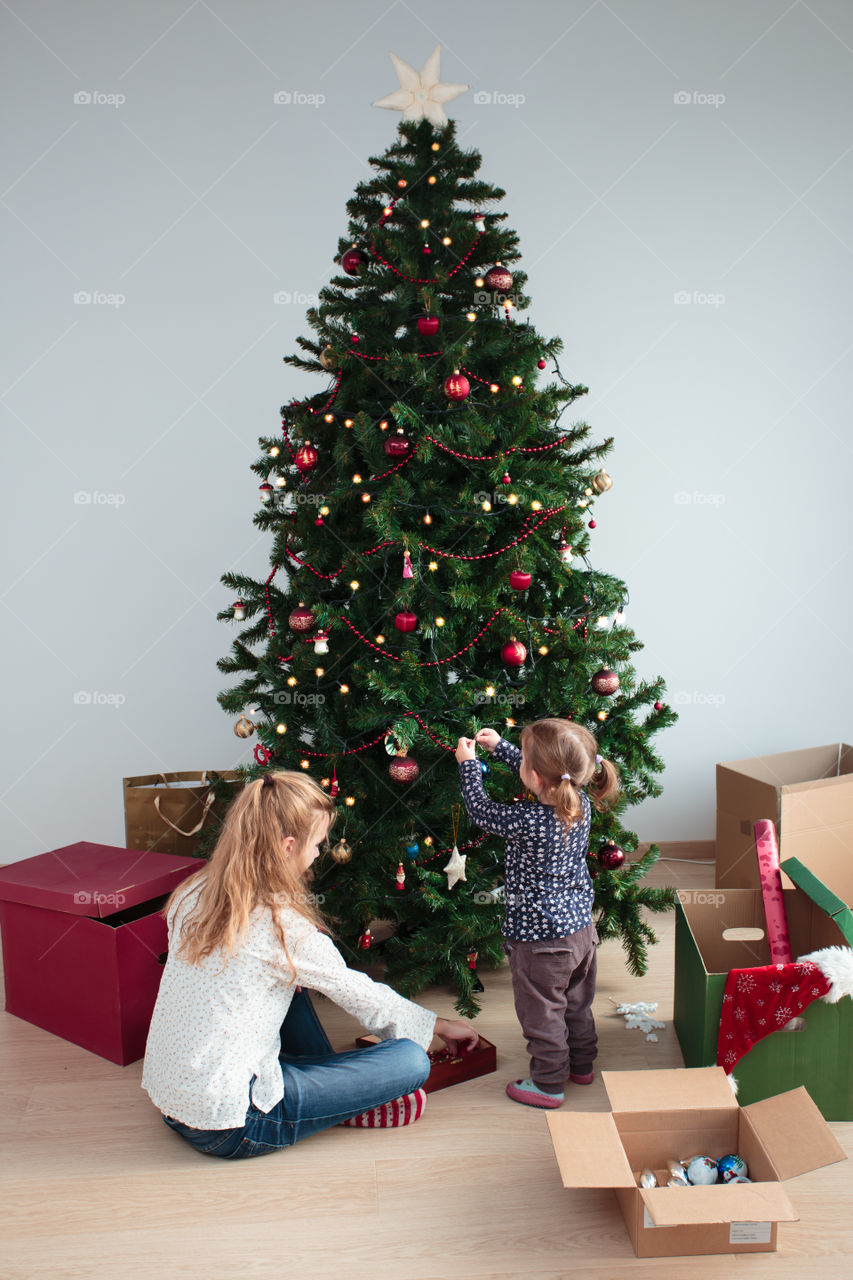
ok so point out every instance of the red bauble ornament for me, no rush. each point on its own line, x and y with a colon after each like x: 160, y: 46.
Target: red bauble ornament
x: 605, y: 681
x: 513, y: 653
x: 428, y: 325
x: 519, y: 581
x: 398, y: 445
x: 457, y: 386
x: 355, y: 338
x: 611, y: 856
x: 319, y: 520
x: 658, y: 706
x: 404, y: 769
x: 353, y: 262
x: 540, y: 364
x: 499, y: 279
x: 306, y: 457
x: 301, y: 619
x: 506, y: 478
x: 592, y: 524
x: 406, y: 621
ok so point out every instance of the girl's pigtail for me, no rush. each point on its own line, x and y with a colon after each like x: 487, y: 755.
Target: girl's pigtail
x: 603, y: 786
x: 567, y: 806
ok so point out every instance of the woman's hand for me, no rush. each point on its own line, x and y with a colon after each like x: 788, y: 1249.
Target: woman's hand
x: 460, y: 1037
x: 465, y: 750
x: 487, y: 738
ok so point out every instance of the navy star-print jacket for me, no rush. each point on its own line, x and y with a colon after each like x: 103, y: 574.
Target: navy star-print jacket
x: 548, y: 891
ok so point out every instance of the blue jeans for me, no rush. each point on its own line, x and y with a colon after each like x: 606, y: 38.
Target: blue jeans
x: 321, y: 1088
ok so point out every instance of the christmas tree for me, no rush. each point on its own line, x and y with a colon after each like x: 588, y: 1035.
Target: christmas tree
x: 432, y: 569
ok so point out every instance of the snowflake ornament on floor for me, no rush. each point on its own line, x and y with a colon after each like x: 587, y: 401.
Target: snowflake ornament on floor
x: 640, y: 1015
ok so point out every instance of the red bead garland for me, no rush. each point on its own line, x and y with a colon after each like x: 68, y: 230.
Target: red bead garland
x: 546, y: 514
x: 418, y: 279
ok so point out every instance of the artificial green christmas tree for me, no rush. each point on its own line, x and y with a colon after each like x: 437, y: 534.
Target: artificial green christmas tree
x: 433, y: 571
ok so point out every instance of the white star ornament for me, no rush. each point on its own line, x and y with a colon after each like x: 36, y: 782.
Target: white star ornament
x: 420, y: 95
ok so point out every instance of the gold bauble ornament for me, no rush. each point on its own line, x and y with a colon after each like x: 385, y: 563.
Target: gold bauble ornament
x: 328, y: 358
x: 342, y: 851
x: 602, y: 482
x: 244, y: 728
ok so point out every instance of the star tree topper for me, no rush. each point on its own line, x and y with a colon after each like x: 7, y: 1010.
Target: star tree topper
x: 455, y: 869
x: 420, y: 95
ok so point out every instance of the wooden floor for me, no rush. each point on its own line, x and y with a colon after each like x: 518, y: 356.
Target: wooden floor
x: 95, y: 1185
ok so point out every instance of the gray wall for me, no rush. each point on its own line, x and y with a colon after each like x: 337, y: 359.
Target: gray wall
x: 196, y: 198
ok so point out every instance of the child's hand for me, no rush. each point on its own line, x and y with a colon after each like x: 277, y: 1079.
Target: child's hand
x: 460, y: 1037
x: 487, y: 738
x: 465, y: 750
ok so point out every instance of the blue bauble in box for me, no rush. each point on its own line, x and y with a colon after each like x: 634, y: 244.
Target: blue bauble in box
x: 731, y: 1167
x: 412, y: 849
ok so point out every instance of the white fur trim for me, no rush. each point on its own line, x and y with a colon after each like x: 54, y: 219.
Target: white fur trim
x: 733, y: 1084
x: 836, y: 964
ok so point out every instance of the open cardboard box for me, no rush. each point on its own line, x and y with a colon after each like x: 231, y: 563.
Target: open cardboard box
x: 659, y: 1116
x: 809, y: 796
x: 721, y: 929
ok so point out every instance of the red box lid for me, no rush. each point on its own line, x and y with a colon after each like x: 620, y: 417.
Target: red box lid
x: 93, y: 879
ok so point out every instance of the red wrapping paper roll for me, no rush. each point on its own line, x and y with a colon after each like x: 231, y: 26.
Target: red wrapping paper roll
x: 770, y: 874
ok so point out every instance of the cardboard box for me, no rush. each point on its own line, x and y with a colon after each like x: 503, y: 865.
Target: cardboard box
x: 83, y: 947
x: 446, y: 1069
x: 672, y: 1115
x: 708, y: 943
x: 809, y: 796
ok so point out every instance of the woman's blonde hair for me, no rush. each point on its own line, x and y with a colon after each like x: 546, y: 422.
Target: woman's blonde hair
x: 248, y: 867
x: 555, y: 747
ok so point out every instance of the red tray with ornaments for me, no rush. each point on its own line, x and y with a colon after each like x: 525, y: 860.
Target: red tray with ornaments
x: 447, y: 1069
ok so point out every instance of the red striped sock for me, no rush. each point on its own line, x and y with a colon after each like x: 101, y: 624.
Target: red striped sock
x: 393, y: 1114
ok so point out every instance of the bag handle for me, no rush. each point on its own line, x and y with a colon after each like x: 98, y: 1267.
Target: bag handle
x: 208, y: 801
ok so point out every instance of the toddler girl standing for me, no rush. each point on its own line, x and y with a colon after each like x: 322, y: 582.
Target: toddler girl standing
x: 236, y: 1059
x: 548, y: 928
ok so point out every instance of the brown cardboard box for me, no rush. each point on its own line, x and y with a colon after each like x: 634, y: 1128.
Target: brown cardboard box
x: 672, y: 1115
x: 809, y: 796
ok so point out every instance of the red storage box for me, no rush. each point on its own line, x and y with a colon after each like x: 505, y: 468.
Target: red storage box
x: 83, y: 947
x: 446, y: 1069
